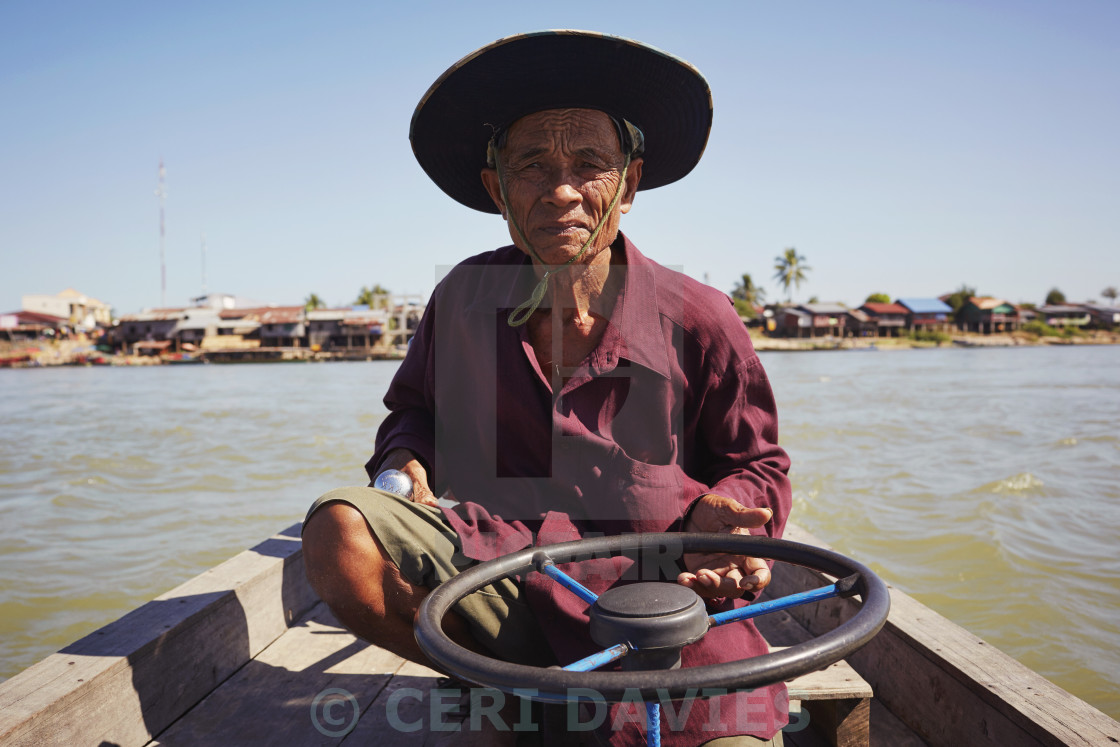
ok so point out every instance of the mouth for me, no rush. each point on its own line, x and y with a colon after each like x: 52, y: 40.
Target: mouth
x: 563, y: 228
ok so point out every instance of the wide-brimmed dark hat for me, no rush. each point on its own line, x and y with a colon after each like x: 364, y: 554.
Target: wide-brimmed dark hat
x: 491, y: 88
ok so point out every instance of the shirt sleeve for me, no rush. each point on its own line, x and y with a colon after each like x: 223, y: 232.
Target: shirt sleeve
x: 410, y: 398
x: 737, y: 452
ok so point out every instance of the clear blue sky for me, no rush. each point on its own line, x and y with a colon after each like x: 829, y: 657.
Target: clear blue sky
x: 902, y: 146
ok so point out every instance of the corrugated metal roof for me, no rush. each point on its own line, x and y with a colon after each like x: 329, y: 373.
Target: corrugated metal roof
x: 155, y: 315
x: 197, y: 318
x: 283, y: 315
x: 1061, y: 308
x: 37, y: 317
x: 327, y: 315
x: 883, y: 308
x: 235, y: 324
x: 925, y: 305
x: 243, y: 313
x: 987, y: 303
x: 824, y: 308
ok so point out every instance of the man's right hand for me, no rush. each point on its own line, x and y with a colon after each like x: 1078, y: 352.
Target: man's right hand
x: 405, y: 461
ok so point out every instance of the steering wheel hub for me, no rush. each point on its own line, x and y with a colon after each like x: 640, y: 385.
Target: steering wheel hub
x: 653, y: 618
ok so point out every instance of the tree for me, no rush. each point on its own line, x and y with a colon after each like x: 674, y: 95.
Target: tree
x: 747, y: 296
x: 1110, y: 293
x: 1055, y: 297
x: 372, y: 297
x: 790, y: 269
x: 313, y: 302
x: 959, y: 297
x: 878, y: 298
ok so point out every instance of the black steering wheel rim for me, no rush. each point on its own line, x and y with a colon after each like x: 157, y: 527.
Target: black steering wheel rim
x: 553, y: 684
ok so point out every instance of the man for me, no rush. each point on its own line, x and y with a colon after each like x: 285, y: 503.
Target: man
x: 565, y: 386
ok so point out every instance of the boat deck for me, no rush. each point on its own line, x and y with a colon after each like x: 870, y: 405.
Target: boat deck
x: 276, y: 694
x: 246, y: 654
x: 316, y: 680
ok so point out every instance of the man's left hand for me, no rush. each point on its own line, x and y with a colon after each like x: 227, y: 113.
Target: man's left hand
x: 723, y: 575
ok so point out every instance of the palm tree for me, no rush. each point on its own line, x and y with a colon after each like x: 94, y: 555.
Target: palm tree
x: 371, y: 297
x: 747, y: 296
x: 313, y: 302
x: 790, y: 269
x: 1110, y: 293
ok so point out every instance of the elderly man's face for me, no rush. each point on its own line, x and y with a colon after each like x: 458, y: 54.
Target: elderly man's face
x: 562, y: 167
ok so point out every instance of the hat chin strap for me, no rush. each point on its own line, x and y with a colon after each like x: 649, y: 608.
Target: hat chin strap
x: 521, y: 314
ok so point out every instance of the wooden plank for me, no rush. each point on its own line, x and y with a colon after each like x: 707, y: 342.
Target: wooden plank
x: 838, y: 681
x: 405, y: 714
x: 798, y: 735
x: 779, y: 628
x: 130, y: 679
x: 837, y: 702
x: 308, y: 688
x: 845, y: 723
x: 887, y: 730
x: 946, y: 684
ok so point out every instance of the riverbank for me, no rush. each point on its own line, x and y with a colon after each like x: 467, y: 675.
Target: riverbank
x: 46, y: 354
x: 53, y: 353
x: 955, y: 339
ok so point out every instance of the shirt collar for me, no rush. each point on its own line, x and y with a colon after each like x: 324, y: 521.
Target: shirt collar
x: 501, y: 283
x: 635, y: 331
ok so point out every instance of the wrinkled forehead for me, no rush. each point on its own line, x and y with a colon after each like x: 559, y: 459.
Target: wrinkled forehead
x: 565, y: 128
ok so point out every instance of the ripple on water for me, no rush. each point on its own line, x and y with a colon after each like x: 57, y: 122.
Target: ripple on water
x: 1023, y: 484
x: 70, y: 501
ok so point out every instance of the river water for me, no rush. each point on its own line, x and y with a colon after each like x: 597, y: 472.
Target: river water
x: 984, y: 482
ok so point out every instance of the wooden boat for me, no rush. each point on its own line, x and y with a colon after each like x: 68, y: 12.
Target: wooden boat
x: 245, y: 654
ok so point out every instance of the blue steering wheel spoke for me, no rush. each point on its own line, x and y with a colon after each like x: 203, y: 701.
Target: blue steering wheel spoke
x: 845, y: 587
x: 545, y: 565
x: 600, y: 659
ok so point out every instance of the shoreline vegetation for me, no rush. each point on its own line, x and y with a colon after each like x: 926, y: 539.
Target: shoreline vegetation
x: 953, y: 339
x: 80, y: 352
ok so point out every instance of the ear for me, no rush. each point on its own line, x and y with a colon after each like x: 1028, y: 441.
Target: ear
x: 494, y: 188
x: 633, y: 177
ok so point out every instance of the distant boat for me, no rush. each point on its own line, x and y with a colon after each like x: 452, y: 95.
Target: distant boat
x: 177, y: 359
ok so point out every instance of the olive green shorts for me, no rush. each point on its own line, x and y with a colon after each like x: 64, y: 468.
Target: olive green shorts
x: 426, y: 549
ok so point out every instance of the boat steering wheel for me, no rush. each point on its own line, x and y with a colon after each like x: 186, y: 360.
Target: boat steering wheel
x: 646, y: 624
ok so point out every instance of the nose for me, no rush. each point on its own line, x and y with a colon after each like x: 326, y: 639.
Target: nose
x: 562, y: 192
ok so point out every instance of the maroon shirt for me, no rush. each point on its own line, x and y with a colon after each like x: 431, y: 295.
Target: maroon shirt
x: 672, y: 404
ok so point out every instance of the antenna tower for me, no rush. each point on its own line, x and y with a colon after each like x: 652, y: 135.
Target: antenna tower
x: 203, y: 263
x: 162, y: 194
